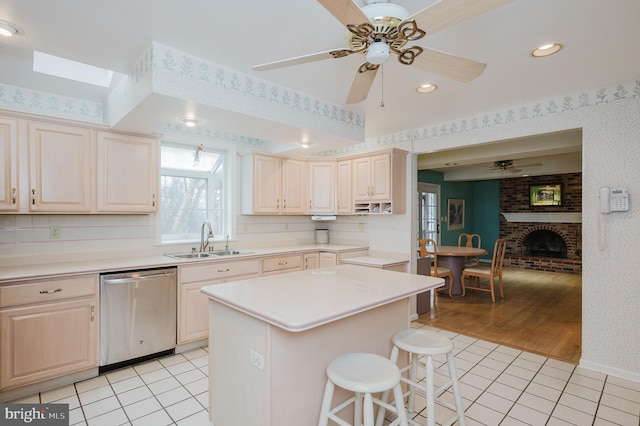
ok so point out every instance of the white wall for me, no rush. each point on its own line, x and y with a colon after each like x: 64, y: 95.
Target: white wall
x: 611, y: 157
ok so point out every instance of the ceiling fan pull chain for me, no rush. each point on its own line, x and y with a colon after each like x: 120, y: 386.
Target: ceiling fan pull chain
x: 382, y: 85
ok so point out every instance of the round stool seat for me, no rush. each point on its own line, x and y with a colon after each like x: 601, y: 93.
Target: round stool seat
x: 363, y: 372
x: 422, y: 342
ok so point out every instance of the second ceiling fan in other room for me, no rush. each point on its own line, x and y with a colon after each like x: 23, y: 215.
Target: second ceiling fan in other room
x: 381, y: 28
x: 508, y: 166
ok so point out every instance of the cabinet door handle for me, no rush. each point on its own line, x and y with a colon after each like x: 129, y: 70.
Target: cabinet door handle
x: 153, y: 200
x: 282, y: 263
x: 33, y: 197
x: 93, y: 313
x: 57, y: 290
x: 223, y: 270
x: 284, y: 203
x: 13, y: 196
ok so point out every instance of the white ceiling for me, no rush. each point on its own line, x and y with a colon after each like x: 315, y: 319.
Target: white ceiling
x: 601, y: 49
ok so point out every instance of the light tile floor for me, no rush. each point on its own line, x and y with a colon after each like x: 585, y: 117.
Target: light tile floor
x: 499, y: 386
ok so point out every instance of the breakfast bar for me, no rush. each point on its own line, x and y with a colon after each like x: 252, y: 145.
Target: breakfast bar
x: 271, y: 338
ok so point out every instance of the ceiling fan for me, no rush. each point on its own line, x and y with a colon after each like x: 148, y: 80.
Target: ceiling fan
x: 508, y: 166
x: 381, y: 28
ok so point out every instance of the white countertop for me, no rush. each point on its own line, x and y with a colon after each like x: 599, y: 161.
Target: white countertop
x: 374, y: 261
x: 299, y: 301
x: 46, y: 266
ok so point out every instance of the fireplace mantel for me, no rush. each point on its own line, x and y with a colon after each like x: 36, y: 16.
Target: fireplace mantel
x: 559, y: 217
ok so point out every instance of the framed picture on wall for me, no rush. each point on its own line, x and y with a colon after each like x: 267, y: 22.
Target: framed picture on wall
x: 545, y: 195
x: 455, y: 218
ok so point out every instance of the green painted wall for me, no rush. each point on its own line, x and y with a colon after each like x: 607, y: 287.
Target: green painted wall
x: 482, y: 208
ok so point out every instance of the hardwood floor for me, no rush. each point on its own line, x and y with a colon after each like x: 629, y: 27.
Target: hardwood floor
x: 541, y: 313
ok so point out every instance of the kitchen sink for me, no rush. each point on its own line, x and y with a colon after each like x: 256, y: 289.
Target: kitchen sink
x: 209, y: 254
x: 229, y: 252
x: 198, y: 255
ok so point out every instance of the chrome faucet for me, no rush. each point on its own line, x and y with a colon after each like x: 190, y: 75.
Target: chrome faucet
x: 205, y: 242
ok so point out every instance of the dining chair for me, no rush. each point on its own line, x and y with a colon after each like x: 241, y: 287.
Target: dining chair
x: 436, y: 271
x: 470, y: 240
x: 495, y: 271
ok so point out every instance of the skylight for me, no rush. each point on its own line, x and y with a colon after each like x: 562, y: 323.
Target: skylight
x: 72, y: 70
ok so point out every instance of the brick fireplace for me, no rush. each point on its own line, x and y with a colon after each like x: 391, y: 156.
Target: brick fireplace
x: 559, y: 248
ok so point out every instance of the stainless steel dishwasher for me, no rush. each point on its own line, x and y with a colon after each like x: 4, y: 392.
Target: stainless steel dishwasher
x: 137, y: 316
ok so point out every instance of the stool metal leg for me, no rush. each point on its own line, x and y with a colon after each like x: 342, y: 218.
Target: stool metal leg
x: 357, y: 409
x: 456, y: 388
x: 402, y: 414
x: 429, y: 392
x: 413, y: 376
x: 368, y: 410
x: 326, y: 404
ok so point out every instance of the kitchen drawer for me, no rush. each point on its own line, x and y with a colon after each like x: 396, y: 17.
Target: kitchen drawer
x: 282, y: 263
x: 48, y: 290
x: 218, y: 270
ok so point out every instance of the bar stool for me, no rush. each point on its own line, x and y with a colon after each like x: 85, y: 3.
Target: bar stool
x: 363, y: 374
x: 426, y: 343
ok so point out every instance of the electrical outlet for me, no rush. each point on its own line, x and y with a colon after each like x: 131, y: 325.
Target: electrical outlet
x: 256, y: 359
x: 54, y: 233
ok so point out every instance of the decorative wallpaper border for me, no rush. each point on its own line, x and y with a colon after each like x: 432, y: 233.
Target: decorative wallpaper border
x: 621, y: 91
x: 43, y: 103
x: 204, y: 133
x: 237, y: 83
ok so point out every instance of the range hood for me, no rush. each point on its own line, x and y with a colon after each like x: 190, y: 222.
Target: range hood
x: 322, y: 217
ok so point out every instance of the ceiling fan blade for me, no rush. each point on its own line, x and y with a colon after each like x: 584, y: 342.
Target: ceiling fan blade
x: 345, y: 11
x: 529, y: 165
x: 362, y: 83
x: 448, y: 65
x: 446, y: 13
x: 513, y: 170
x: 330, y: 54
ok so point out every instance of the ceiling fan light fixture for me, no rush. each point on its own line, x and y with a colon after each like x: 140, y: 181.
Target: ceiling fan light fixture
x: 378, y: 52
x: 546, y: 50
x: 426, y: 88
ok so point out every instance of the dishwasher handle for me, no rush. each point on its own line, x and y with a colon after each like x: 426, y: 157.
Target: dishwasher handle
x: 107, y: 280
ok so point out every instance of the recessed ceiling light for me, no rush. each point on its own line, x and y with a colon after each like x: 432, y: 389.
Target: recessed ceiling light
x: 426, y: 88
x: 546, y: 50
x: 306, y: 144
x: 8, y: 29
x: 189, y: 121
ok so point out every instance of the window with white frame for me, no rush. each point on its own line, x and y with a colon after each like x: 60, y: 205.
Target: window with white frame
x: 192, y: 190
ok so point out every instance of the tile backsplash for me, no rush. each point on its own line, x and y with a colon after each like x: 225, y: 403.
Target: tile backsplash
x: 29, y: 235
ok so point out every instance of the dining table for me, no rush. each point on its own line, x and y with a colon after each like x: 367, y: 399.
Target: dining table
x: 452, y: 257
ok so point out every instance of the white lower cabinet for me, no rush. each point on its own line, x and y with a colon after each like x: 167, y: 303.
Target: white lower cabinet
x: 328, y: 259
x: 311, y: 261
x: 49, y: 329
x: 281, y: 264
x: 193, y: 305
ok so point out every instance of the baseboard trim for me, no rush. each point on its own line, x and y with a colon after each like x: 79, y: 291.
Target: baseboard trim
x: 611, y: 371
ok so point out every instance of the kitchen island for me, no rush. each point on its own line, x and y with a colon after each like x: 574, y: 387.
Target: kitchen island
x: 271, y: 338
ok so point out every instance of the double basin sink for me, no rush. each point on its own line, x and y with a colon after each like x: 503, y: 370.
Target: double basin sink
x: 207, y: 254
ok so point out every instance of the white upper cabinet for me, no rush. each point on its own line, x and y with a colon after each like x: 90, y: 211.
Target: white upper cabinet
x: 58, y: 168
x: 294, y: 186
x: 9, y: 195
x: 343, y: 188
x: 60, y: 172
x: 379, y: 182
x: 322, y: 187
x: 273, y: 185
x: 127, y: 173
